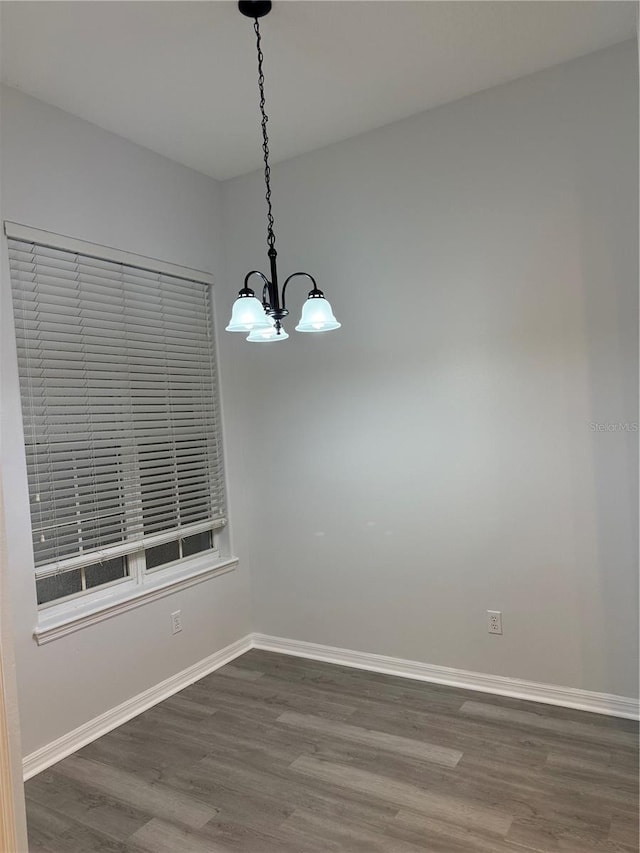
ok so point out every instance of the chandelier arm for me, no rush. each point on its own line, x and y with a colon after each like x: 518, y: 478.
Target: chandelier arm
x: 271, y: 238
x: 293, y: 275
x: 255, y: 272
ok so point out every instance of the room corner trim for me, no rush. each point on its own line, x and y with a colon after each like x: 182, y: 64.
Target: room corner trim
x: 58, y: 749
x: 550, y: 694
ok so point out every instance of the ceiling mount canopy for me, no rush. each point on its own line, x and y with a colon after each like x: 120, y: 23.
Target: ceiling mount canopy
x: 263, y: 320
x: 255, y: 8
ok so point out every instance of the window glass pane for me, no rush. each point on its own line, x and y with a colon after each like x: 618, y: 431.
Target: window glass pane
x: 196, y: 543
x: 58, y: 586
x: 161, y: 554
x: 110, y: 570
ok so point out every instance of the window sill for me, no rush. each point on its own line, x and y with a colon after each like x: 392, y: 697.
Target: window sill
x: 56, y: 622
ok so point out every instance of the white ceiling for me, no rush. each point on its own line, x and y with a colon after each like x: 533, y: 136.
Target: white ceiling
x: 180, y: 77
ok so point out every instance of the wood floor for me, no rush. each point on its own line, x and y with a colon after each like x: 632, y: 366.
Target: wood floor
x: 275, y: 754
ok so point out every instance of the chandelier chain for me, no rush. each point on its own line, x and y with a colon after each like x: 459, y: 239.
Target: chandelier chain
x: 271, y: 239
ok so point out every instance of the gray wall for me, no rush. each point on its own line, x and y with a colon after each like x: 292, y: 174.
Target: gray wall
x: 65, y: 175
x: 434, y: 458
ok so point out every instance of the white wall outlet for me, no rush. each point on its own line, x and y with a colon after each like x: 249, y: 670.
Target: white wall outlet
x: 494, y: 621
x: 176, y: 622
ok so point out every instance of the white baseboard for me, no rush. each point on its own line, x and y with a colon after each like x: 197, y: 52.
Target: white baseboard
x: 550, y: 694
x: 568, y: 697
x: 58, y: 749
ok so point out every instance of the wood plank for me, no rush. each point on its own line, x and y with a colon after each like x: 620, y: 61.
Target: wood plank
x: 52, y: 832
x: 624, y: 831
x: 153, y: 798
x: 611, y: 734
x: 266, y: 696
x: 241, y: 672
x: 158, y: 836
x: 543, y: 836
x: 187, y: 707
x: 433, y: 834
x: 93, y: 809
x: 343, y: 835
x: 605, y: 772
x: 375, y: 739
x: 457, y: 810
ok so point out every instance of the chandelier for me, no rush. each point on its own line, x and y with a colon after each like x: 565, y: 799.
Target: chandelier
x: 263, y: 320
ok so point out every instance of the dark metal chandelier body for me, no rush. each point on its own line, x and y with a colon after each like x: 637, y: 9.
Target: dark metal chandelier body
x: 263, y: 320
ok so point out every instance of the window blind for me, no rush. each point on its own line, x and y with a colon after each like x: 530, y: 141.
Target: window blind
x: 120, y: 405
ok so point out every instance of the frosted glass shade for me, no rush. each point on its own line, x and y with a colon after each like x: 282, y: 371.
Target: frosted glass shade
x: 265, y: 336
x: 317, y: 316
x: 248, y: 315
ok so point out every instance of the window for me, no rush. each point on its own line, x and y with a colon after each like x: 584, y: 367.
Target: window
x: 121, y: 419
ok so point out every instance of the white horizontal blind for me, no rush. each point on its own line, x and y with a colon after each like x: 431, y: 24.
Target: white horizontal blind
x: 120, y: 403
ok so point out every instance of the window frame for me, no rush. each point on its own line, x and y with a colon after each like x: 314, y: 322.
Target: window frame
x: 59, y: 617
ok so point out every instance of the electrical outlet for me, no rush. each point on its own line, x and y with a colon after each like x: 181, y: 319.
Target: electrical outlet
x: 176, y: 622
x: 494, y: 624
